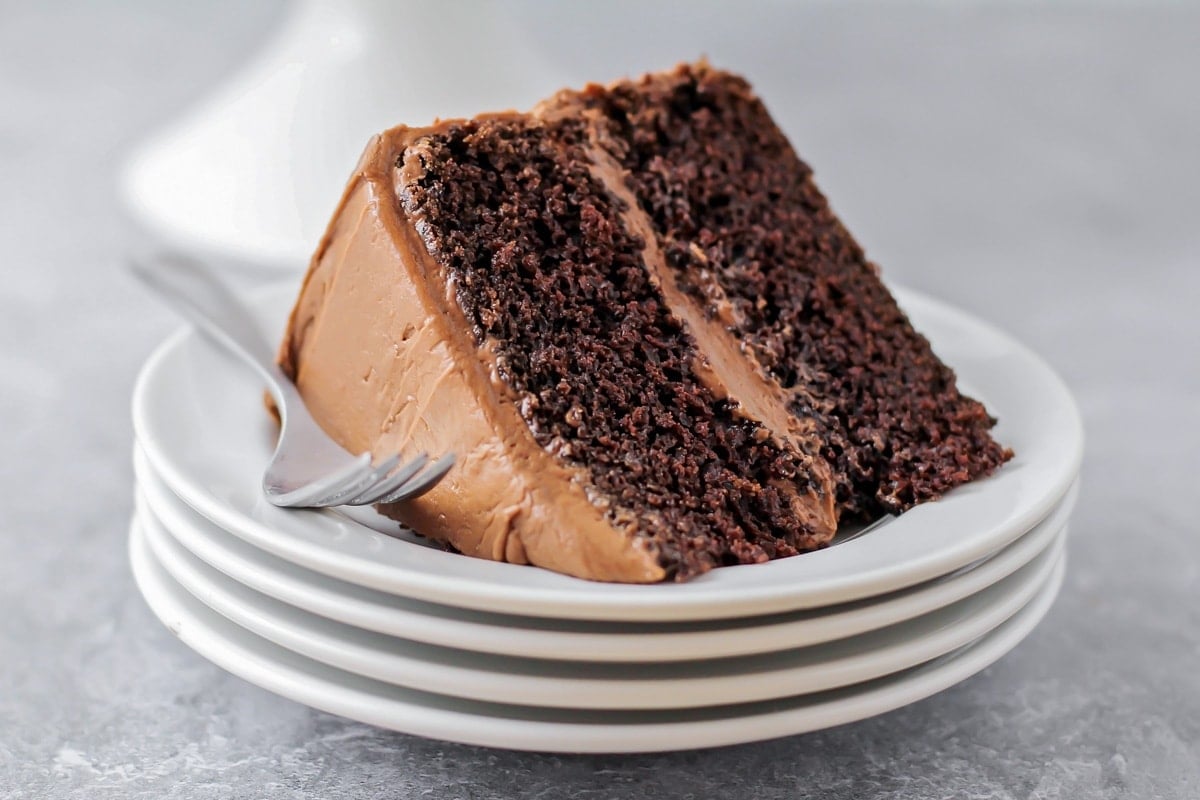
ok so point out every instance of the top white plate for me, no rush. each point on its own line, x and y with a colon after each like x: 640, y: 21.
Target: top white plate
x: 199, y: 417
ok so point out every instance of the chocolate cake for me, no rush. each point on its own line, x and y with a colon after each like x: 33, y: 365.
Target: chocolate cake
x: 634, y: 318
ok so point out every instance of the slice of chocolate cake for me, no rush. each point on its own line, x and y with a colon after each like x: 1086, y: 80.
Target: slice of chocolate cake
x: 634, y: 319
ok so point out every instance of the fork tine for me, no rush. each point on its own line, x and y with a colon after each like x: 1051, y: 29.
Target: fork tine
x: 323, y: 487
x: 422, y: 484
x: 333, y: 489
x: 364, y: 481
x: 390, y: 484
x: 379, y: 473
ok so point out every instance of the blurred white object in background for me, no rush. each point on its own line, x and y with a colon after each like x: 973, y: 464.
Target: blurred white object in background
x: 254, y: 172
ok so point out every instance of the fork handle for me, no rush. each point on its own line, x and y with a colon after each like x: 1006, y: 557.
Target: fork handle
x: 200, y: 296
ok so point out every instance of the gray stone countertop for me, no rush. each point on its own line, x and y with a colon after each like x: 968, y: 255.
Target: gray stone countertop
x: 1038, y: 165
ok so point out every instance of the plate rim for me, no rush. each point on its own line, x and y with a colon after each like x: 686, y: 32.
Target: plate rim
x: 562, y: 684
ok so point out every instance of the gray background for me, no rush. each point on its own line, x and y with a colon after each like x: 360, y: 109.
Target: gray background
x: 1036, y: 165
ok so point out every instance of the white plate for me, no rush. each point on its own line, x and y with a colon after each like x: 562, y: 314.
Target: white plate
x: 574, y: 684
x: 199, y: 417
x: 554, y: 730
x: 574, y: 640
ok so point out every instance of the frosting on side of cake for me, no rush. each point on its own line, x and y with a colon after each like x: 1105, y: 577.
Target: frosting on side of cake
x: 374, y: 290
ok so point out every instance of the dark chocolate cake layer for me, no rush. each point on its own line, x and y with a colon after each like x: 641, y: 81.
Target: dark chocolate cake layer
x: 554, y: 284
x: 742, y: 222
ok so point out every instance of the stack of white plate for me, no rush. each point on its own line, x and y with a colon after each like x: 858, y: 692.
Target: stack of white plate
x: 346, y: 612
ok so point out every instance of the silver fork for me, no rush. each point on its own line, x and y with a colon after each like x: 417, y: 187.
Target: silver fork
x: 308, y: 469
